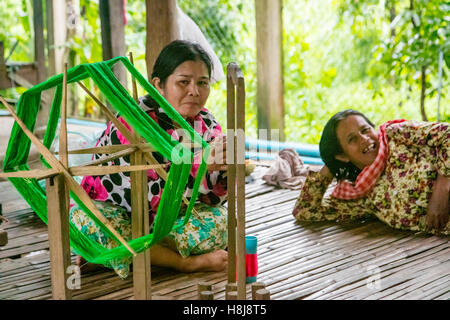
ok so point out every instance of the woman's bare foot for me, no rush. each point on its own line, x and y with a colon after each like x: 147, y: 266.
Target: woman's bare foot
x: 213, y: 261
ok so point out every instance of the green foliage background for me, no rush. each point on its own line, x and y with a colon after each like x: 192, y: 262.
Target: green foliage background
x: 337, y: 54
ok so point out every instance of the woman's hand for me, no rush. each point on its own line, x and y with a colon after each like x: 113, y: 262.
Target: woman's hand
x: 218, y: 155
x: 325, y: 172
x: 438, y: 207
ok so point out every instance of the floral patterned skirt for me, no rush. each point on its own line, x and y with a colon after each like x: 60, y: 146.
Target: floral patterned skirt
x: 206, y: 231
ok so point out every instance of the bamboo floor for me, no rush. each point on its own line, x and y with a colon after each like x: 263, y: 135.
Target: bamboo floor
x: 359, y: 260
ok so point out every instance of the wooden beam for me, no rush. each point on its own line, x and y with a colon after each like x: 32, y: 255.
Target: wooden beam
x: 162, y: 28
x: 140, y: 226
x: 63, y: 156
x: 231, y: 175
x: 56, y: 35
x: 113, y: 34
x: 269, y: 49
x: 240, y: 185
x: 58, y: 236
x: 236, y: 177
x: 103, y: 170
x: 35, y: 173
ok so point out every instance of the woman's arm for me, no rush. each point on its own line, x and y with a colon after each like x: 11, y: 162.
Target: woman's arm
x: 213, y: 188
x: 310, y: 205
x: 438, y: 207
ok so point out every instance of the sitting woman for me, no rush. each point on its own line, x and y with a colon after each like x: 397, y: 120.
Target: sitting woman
x: 181, y: 74
x: 400, y: 174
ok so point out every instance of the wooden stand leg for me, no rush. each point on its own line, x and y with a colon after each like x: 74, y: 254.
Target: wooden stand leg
x: 231, y: 176
x: 206, y: 295
x: 231, y: 291
x: 255, y: 287
x: 140, y: 227
x: 58, y: 236
x: 262, y: 294
x: 203, y: 287
x: 236, y: 177
x: 3, y: 238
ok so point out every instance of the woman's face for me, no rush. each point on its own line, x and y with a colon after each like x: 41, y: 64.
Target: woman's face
x: 187, y: 88
x: 358, y: 140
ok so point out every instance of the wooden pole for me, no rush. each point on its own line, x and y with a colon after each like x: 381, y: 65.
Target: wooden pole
x: 133, y: 82
x: 231, y: 176
x: 63, y: 155
x: 56, y: 35
x: 269, y: 50
x: 203, y: 289
x: 262, y: 294
x: 255, y: 287
x: 231, y: 291
x: 39, y: 57
x: 236, y: 177
x: 113, y: 34
x: 240, y: 185
x: 206, y: 295
x: 39, y: 52
x: 140, y: 224
x: 162, y: 28
x: 58, y: 236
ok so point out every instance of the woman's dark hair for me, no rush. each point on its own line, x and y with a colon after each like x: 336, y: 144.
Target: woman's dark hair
x: 329, y: 147
x: 174, y: 54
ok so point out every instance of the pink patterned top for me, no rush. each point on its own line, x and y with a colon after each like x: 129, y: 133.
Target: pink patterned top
x: 116, y: 188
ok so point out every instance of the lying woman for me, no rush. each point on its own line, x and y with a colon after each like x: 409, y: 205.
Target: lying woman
x: 400, y: 174
x: 181, y: 74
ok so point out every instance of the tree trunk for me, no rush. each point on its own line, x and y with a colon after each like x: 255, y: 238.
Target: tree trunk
x: 422, y: 94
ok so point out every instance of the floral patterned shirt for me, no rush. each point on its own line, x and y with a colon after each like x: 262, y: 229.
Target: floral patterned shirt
x: 418, y: 152
x: 116, y: 188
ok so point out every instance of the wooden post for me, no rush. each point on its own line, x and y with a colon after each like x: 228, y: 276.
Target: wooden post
x: 74, y: 30
x: 236, y: 176
x: 203, y: 287
x: 206, y: 295
x: 113, y: 34
x: 240, y: 186
x: 262, y: 294
x: 162, y: 28
x: 3, y: 237
x: 39, y: 57
x: 140, y: 223
x: 39, y: 53
x: 231, y: 291
x: 58, y: 213
x: 269, y: 48
x: 3, y: 233
x: 56, y: 35
x: 140, y: 226
x: 255, y: 287
x: 231, y: 177
x: 58, y: 236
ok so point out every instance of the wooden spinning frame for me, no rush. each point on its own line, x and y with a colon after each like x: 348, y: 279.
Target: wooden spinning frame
x: 59, y: 180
